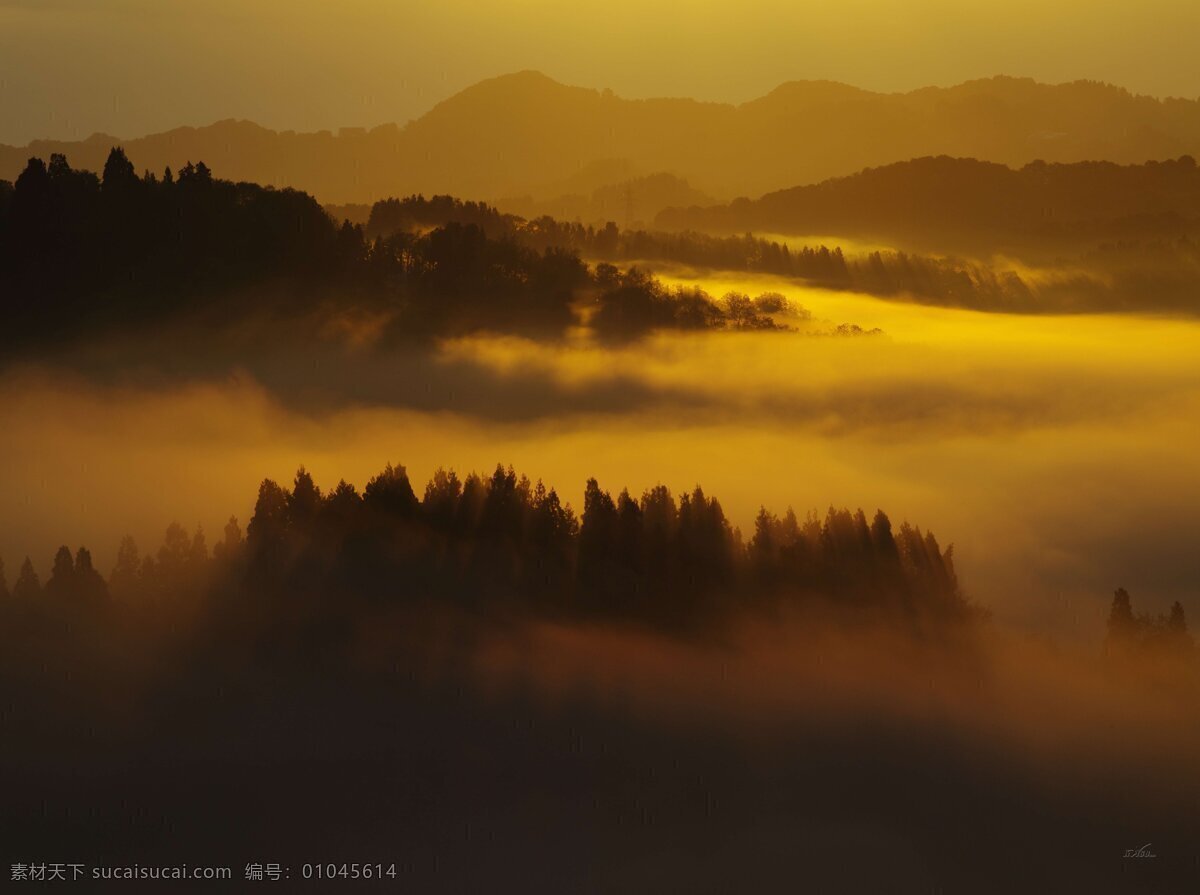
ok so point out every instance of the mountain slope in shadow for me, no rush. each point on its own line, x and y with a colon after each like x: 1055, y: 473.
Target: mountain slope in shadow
x: 967, y: 204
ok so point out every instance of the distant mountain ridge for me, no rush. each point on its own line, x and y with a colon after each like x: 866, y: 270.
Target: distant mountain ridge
x: 632, y: 202
x: 516, y: 134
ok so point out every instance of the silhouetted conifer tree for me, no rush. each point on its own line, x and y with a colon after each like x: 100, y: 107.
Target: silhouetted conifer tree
x: 266, y: 535
x: 391, y: 493
x: 1122, y: 626
x: 442, y: 494
x: 119, y: 174
x: 598, y: 543
x: 304, y: 501
x: 89, y: 586
x: 229, y: 548
x: 126, y: 574
x: 27, y: 586
x: 61, y: 584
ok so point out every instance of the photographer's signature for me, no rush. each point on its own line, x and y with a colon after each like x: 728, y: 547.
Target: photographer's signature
x: 1143, y: 852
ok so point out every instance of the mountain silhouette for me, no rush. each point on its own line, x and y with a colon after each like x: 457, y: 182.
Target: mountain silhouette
x: 522, y: 134
x: 965, y: 203
x: 635, y: 201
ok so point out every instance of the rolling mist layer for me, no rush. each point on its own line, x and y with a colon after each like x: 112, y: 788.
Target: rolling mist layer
x: 1061, y: 466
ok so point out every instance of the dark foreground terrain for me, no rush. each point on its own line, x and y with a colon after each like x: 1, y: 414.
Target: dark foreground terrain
x: 571, y: 759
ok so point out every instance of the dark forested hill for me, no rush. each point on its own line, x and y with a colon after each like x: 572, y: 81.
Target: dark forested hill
x: 82, y: 255
x: 526, y: 135
x: 960, y: 201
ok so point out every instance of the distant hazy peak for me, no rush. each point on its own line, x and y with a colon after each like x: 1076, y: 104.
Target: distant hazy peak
x: 813, y: 90
x: 517, y: 134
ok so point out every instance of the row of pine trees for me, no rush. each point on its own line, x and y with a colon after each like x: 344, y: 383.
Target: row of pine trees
x: 503, y: 539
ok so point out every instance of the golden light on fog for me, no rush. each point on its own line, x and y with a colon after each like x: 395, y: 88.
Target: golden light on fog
x: 821, y: 384
x: 1028, y: 440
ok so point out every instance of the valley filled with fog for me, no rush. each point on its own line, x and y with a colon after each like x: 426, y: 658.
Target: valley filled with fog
x: 1057, y: 453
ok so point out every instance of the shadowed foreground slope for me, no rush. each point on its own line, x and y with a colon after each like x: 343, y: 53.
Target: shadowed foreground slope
x: 251, y: 707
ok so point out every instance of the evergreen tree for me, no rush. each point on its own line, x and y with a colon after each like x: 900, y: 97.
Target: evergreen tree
x: 391, y: 493
x: 304, y: 501
x: 229, y: 548
x: 27, y: 586
x: 267, y: 533
x: 1177, y: 629
x: 126, y: 574
x: 442, y: 494
x: 61, y: 585
x: 119, y: 174
x: 89, y: 585
x: 598, y: 542
x: 1122, y: 626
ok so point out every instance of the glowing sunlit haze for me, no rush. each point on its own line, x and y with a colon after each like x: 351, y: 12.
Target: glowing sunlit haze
x: 515, y: 445
x: 1059, y: 453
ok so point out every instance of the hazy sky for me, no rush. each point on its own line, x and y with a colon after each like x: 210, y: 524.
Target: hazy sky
x: 128, y: 67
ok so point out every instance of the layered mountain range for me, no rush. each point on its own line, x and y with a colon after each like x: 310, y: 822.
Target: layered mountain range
x: 527, y: 140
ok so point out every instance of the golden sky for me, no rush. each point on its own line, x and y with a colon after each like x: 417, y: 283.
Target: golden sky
x: 128, y: 67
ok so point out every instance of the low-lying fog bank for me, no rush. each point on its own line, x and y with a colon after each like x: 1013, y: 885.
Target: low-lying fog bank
x: 1057, y: 453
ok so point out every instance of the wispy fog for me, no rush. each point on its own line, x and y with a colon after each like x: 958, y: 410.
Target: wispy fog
x: 1059, y: 454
